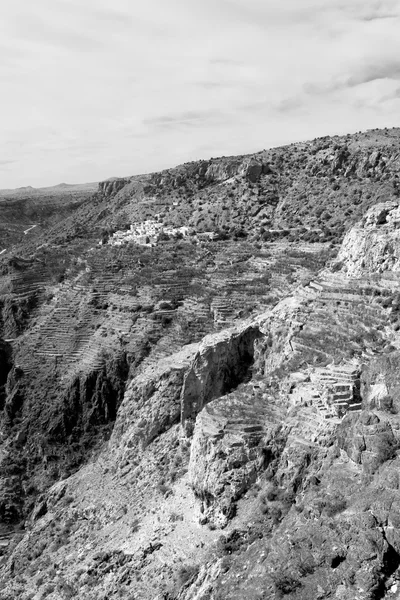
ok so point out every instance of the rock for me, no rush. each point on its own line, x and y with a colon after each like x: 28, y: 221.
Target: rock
x: 111, y: 187
x: 222, y: 363
x: 367, y: 440
x: 21, y: 437
x: 374, y: 158
x: 380, y: 383
x: 218, y: 171
x: 227, y: 454
x: 373, y: 246
x: 178, y: 387
x: 254, y: 171
x: 39, y: 511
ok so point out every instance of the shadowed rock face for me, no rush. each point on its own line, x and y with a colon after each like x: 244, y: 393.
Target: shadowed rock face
x: 178, y: 388
x: 91, y: 401
x: 59, y: 435
x: 216, y: 370
x: 5, y: 367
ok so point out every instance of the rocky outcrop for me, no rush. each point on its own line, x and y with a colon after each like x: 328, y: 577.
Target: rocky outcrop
x: 367, y: 440
x: 373, y: 246
x: 346, y: 159
x: 253, y: 169
x: 112, y: 186
x: 91, y: 401
x: 235, y: 439
x: 180, y: 385
x: 380, y: 384
x: 53, y: 437
x: 221, y: 170
x: 152, y: 403
x: 223, y: 361
x: 218, y: 170
x: 5, y: 367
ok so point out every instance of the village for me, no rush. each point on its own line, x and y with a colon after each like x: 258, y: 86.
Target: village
x: 150, y: 232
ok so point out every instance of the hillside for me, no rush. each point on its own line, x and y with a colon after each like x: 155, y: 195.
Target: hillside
x: 212, y: 412
x: 30, y: 210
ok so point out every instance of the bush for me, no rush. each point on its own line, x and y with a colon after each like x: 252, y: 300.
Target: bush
x: 49, y: 589
x: 335, y: 506
x: 164, y: 489
x: 386, y: 404
x: 306, y: 567
x: 271, y: 494
x: 285, y: 584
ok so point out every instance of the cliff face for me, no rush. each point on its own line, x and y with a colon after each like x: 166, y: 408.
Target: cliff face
x: 374, y: 245
x: 5, y: 367
x: 176, y: 389
x: 221, y: 364
x: 113, y: 186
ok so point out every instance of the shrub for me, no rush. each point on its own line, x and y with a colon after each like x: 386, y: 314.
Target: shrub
x: 49, y: 589
x: 335, y: 506
x: 174, y: 517
x: 271, y: 494
x: 285, y: 584
x: 164, y: 489
x: 386, y: 404
x: 306, y: 567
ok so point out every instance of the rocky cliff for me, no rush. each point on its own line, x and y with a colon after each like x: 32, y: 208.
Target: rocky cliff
x: 374, y: 245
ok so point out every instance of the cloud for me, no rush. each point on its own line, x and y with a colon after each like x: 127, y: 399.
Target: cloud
x: 184, y: 119
x: 100, y: 87
x: 394, y: 95
x: 390, y: 70
x: 366, y: 74
x: 288, y: 104
x: 375, y: 17
x: 5, y: 163
x: 225, y: 62
x: 42, y: 30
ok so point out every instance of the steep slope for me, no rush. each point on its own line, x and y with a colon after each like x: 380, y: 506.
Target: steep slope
x: 231, y: 382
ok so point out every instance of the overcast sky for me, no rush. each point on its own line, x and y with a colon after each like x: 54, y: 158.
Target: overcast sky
x: 98, y: 88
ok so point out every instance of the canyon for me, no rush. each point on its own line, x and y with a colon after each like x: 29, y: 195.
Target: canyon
x: 206, y: 417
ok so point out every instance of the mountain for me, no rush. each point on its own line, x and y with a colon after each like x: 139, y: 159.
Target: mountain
x: 199, y: 381
x: 24, y: 207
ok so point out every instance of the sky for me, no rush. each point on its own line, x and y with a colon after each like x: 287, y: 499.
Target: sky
x: 91, y: 89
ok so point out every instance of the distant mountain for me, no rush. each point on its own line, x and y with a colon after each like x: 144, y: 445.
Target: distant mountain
x: 29, y: 191
x: 22, y: 207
